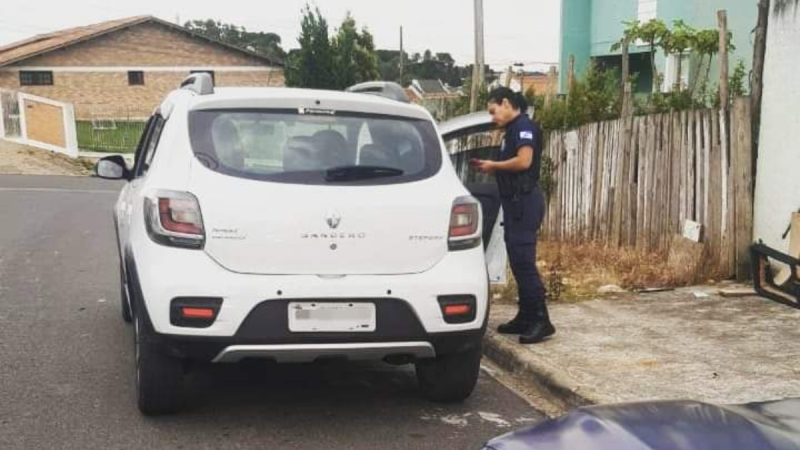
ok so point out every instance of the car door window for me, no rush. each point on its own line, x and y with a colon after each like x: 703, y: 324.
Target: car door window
x: 142, y: 141
x: 149, y: 145
x: 480, y: 144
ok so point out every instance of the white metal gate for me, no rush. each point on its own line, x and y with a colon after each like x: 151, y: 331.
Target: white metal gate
x: 38, y: 122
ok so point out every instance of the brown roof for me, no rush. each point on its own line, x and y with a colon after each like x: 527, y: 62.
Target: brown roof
x: 538, y: 82
x: 44, y: 43
x: 412, y: 96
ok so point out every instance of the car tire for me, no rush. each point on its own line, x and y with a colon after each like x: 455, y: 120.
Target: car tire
x: 123, y: 295
x: 449, y: 378
x: 159, y: 376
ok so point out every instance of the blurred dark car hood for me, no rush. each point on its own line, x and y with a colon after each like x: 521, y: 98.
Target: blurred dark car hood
x: 681, y: 425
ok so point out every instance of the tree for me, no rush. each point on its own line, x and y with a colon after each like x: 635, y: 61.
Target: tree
x: 355, y: 59
x: 331, y: 63
x: 446, y: 59
x: 312, y: 66
x: 679, y: 40
x: 389, y: 65
x: 654, y: 32
x: 267, y: 44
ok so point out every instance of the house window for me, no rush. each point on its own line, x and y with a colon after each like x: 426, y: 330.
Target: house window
x: 647, y: 10
x: 135, y: 78
x: 210, y: 72
x: 35, y: 78
x: 672, y: 77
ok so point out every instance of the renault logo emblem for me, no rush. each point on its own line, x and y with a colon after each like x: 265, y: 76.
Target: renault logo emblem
x: 334, y: 220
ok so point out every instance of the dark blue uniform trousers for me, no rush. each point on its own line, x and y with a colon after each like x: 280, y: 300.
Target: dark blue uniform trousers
x: 522, y: 220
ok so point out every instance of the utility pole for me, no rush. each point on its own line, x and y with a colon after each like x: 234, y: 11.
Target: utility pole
x: 478, y: 76
x: 402, y: 56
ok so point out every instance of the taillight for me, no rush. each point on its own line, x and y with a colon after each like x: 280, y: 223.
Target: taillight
x: 465, y: 224
x: 173, y: 218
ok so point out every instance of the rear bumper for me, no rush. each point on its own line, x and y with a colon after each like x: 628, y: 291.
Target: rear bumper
x: 228, y: 350
x: 409, y: 322
x: 300, y: 353
x: 165, y: 273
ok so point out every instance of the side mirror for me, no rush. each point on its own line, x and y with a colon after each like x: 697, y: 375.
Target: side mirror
x: 112, y: 168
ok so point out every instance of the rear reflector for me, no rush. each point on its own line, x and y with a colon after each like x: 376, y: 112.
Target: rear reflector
x: 197, y: 313
x: 457, y: 310
x: 194, y: 312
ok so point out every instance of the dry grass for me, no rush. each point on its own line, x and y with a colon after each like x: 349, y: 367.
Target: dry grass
x: 23, y: 160
x: 575, y: 271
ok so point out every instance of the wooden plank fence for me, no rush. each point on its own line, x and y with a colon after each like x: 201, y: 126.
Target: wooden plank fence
x: 635, y: 183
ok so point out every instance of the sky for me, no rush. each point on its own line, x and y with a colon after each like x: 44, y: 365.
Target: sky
x: 516, y: 31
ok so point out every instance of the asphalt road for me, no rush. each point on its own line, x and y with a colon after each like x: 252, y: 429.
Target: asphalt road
x: 66, y: 368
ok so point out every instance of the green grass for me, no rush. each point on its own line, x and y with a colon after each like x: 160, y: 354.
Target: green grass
x: 122, y: 139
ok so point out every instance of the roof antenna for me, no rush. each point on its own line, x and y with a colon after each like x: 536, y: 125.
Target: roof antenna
x: 178, y: 19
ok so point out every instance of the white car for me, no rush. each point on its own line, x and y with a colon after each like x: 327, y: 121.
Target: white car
x: 297, y: 225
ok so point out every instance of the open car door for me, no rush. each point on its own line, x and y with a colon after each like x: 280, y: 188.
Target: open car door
x: 476, y: 136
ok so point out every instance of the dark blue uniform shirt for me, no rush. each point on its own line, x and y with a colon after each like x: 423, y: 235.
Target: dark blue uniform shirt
x: 522, y: 212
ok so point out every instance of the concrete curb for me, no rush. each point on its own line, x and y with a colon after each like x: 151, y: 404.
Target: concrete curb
x: 97, y: 155
x: 554, y: 383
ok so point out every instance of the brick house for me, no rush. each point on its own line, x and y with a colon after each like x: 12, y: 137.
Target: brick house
x: 432, y: 90
x: 126, y: 64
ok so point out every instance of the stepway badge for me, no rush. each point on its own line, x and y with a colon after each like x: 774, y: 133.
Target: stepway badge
x: 526, y: 135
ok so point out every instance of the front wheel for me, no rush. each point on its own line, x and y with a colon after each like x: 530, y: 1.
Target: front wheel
x: 449, y: 378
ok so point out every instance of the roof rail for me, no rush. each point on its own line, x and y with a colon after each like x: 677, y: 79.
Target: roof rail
x: 200, y: 83
x: 382, y: 88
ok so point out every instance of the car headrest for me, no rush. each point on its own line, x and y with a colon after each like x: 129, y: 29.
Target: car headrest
x: 377, y: 155
x: 333, y: 148
x: 301, y: 154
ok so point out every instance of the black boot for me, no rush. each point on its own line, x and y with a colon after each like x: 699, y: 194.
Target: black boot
x: 539, y: 330
x: 514, y: 326
x: 526, y: 316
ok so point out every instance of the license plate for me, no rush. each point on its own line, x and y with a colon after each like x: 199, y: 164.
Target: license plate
x: 331, y: 317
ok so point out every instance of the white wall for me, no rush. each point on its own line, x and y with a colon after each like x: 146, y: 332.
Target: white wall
x: 778, y: 177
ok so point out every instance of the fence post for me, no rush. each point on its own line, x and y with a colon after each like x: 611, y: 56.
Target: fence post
x: 757, y: 80
x: 741, y: 171
x: 625, y: 69
x: 724, y: 96
x: 620, y: 186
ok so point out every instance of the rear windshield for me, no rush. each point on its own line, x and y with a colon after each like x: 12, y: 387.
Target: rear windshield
x: 298, y: 147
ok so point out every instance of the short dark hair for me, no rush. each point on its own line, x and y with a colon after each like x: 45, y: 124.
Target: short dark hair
x: 516, y: 99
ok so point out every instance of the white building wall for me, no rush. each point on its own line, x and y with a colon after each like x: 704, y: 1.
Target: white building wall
x: 778, y: 176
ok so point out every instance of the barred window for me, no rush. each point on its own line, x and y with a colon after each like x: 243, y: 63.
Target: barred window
x: 135, y: 78
x: 35, y: 78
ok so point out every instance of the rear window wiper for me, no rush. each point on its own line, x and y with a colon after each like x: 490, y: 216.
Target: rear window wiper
x: 353, y: 173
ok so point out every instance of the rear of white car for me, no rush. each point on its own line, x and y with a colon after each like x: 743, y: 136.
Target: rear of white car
x: 299, y: 225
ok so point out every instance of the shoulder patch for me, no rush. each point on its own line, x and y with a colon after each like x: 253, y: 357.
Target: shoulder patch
x: 526, y: 134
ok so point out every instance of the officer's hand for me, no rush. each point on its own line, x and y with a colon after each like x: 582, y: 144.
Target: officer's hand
x: 483, y: 166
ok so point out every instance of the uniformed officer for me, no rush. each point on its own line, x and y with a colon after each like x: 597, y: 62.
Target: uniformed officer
x: 517, y: 170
